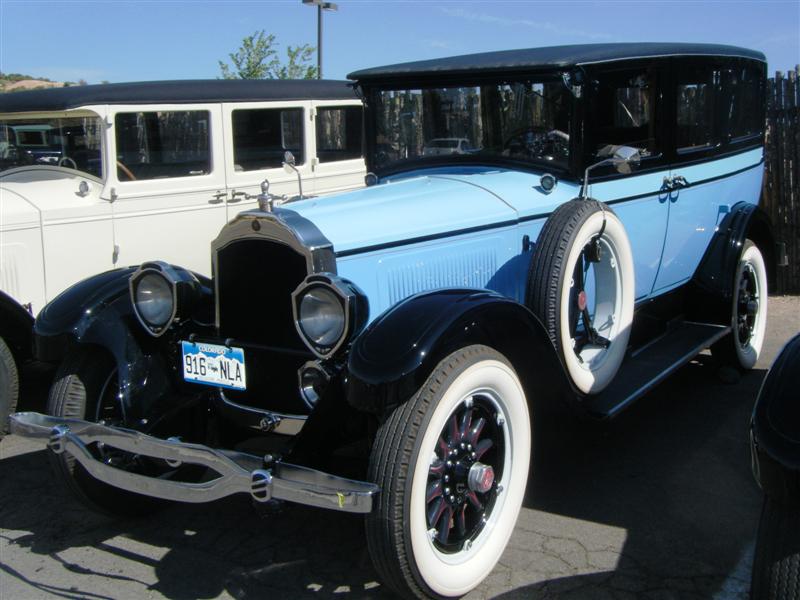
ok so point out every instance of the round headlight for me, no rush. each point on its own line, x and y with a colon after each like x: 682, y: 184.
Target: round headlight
x: 154, y: 301
x: 322, y: 317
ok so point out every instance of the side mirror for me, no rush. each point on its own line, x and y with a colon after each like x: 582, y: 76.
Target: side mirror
x: 289, y: 162
x: 289, y: 167
x: 623, y: 158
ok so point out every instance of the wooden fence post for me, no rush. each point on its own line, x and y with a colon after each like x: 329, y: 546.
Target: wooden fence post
x: 780, y: 194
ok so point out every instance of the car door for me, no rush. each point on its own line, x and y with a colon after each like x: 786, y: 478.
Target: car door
x: 169, y: 192
x: 257, y: 135
x: 338, y: 160
x: 625, y: 109
x: 706, y: 179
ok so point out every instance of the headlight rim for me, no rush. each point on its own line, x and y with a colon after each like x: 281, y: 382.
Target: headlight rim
x: 168, y: 274
x: 354, y: 306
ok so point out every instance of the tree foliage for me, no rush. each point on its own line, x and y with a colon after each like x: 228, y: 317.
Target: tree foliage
x: 257, y: 58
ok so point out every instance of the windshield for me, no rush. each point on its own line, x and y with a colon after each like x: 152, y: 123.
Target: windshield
x: 523, y: 121
x: 73, y: 143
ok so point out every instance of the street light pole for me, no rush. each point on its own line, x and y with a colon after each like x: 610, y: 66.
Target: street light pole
x: 319, y: 41
x: 321, y: 5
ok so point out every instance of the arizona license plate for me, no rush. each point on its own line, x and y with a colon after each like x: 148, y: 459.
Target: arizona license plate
x: 213, y: 364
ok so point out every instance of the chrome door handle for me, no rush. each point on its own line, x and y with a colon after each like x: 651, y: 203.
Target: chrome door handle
x: 237, y: 196
x: 217, y: 198
x: 676, y: 182
x: 679, y: 181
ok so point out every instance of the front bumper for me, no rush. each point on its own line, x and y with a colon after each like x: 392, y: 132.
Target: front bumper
x: 236, y: 472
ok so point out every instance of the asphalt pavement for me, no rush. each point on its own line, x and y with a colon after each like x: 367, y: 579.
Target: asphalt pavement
x: 659, y: 503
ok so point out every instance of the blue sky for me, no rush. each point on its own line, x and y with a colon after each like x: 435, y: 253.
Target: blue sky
x: 166, y: 39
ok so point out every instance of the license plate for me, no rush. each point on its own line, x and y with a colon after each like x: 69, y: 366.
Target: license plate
x: 213, y: 364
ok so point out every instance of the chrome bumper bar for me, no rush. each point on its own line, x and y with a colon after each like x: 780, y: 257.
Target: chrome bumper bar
x: 237, y: 472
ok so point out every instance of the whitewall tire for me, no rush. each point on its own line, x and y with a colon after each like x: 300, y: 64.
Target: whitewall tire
x: 584, y: 298
x: 748, y: 311
x: 452, y: 464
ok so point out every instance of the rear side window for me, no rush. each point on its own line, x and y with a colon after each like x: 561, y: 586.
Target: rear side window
x: 625, y: 113
x: 743, y: 102
x: 162, y: 144
x: 261, y: 137
x: 696, y: 95
x: 339, y: 133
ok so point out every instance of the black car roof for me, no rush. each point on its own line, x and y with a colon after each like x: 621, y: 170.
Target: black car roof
x: 531, y: 59
x: 178, y: 92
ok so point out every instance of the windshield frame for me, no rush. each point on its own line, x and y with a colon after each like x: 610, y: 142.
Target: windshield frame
x: 370, y: 91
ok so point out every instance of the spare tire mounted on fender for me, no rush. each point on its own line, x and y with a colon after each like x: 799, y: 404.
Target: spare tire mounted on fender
x: 581, y: 286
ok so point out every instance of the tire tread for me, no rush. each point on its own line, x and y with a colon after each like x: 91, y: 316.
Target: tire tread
x: 389, y: 467
x: 11, y: 387
x: 776, y: 566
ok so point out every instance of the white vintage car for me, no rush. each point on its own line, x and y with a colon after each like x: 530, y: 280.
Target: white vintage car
x: 101, y: 176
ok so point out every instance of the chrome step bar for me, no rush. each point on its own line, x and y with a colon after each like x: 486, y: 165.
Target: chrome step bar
x: 238, y: 472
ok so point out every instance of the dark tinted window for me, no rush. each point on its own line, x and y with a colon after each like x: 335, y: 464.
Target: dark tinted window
x: 339, y: 133
x: 624, y: 113
x: 261, y: 137
x: 696, y: 93
x: 743, y: 101
x: 163, y: 144
x: 527, y: 121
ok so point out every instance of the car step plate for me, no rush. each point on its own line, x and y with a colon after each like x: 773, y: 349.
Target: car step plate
x: 213, y: 364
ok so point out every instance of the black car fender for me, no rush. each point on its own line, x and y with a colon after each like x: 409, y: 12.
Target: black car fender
x: 391, y: 359
x: 16, y: 327
x: 98, y: 311
x: 713, y: 281
x: 775, y: 428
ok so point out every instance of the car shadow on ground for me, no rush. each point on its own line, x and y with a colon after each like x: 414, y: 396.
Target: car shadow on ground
x: 671, y: 473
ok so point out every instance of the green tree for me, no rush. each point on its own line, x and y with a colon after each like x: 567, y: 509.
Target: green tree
x: 299, y: 64
x: 257, y: 58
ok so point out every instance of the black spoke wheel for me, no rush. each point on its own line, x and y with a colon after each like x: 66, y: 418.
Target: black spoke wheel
x: 452, y: 464
x: 462, y: 479
x: 85, y: 387
x: 747, y: 299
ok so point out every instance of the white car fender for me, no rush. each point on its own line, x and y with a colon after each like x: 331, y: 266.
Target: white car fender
x: 21, y: 255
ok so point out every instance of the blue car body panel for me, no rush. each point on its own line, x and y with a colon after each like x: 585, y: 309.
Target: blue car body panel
x: 463, y: 227
x: 695, y: 212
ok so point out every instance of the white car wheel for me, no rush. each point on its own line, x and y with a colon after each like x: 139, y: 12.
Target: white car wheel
x: 581, y: 286
x: 748, y: 313
x: 452, y: 464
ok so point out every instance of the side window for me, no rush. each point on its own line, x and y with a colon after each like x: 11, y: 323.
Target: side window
x: 743, y: 102
x: 262, y: 135
x: 339, y: 134
x: 162, y: 144
x: 625, y: 113
x: 696, y: 93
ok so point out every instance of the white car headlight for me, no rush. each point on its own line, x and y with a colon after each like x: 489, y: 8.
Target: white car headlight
x: 153, y: 299
x: 160, y: 294
x: 328, y: 310
x: 322, y: 316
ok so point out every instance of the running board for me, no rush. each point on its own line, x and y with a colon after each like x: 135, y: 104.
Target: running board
x: 651, y: 364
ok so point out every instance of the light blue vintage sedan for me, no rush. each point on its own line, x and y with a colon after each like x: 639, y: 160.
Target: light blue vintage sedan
x: 384, y: 351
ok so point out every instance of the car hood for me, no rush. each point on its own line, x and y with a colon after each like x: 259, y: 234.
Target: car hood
x: 15, y: 211
x: 51, y: 189
x: 424, y: 206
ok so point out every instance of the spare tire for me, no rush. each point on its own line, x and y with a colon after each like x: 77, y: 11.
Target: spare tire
x: 581, y: 286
